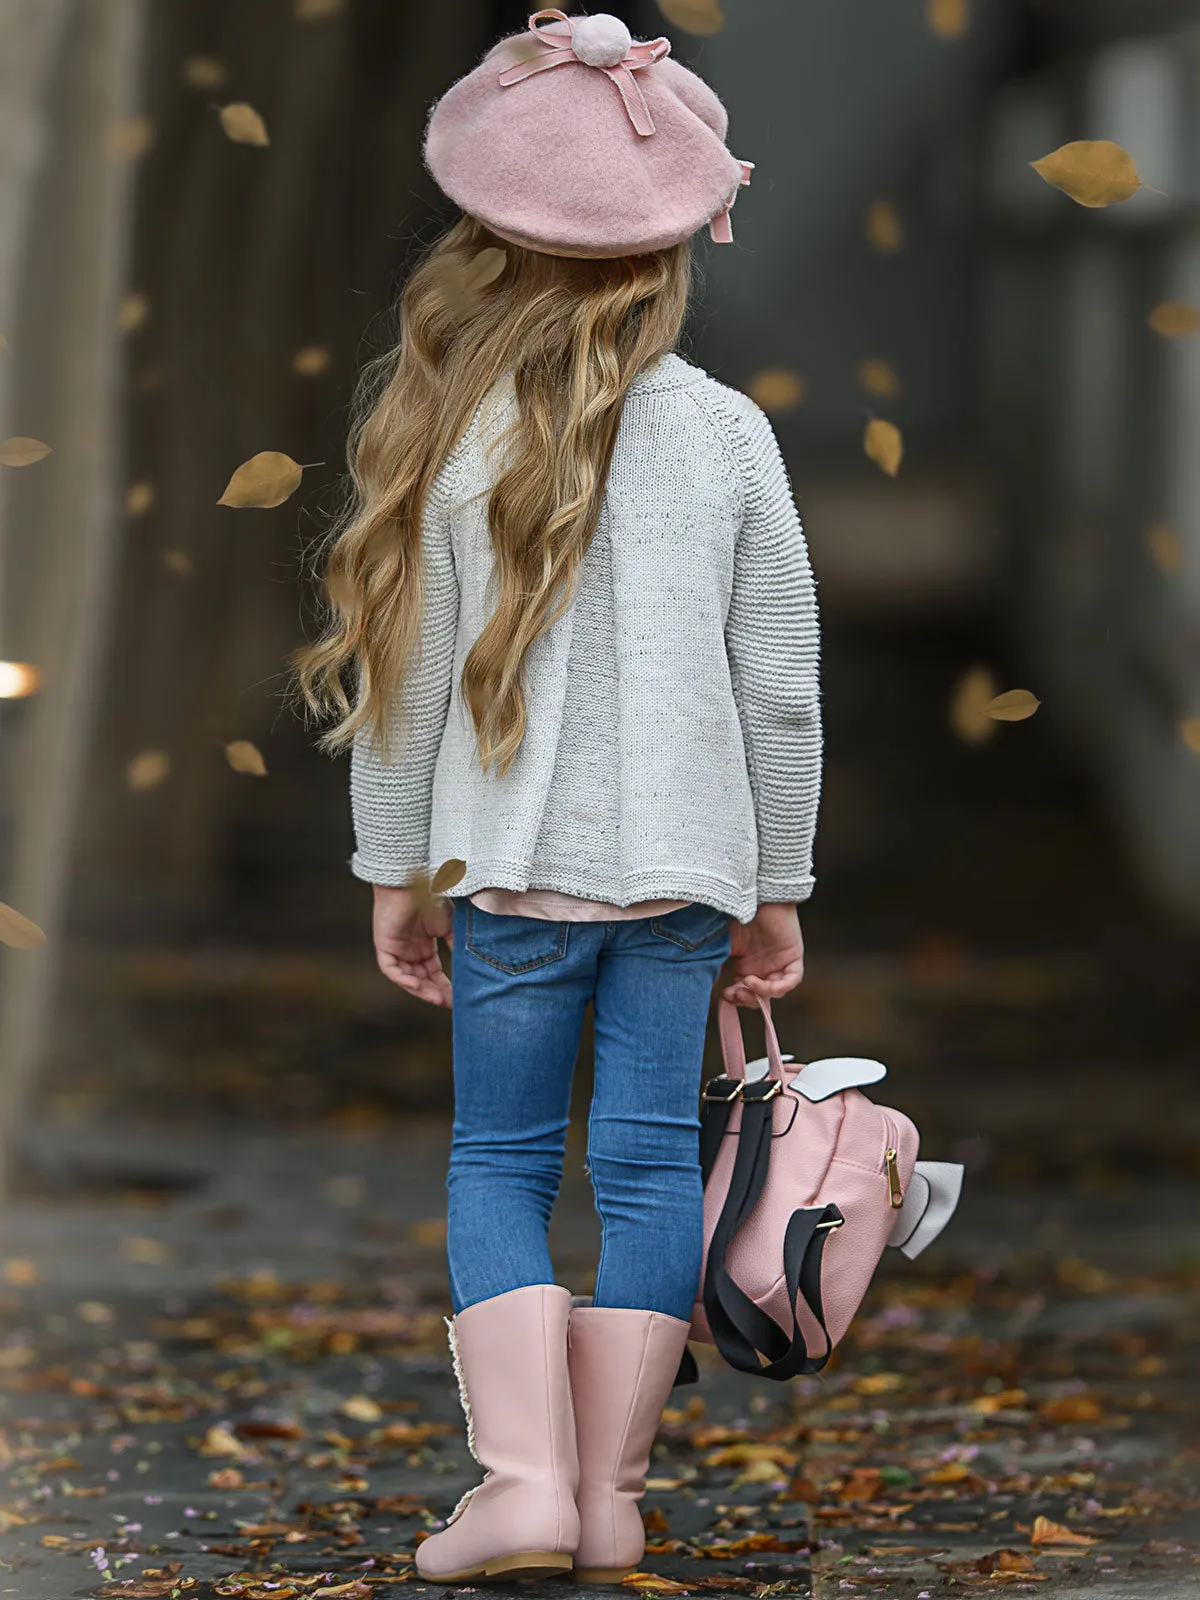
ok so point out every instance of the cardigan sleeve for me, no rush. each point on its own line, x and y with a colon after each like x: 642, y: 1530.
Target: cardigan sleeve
x: 772, y: 637
x: 392, y: 799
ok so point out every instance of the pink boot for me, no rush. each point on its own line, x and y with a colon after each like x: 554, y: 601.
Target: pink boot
x: 510, y: 1357
x: 623, y: 1364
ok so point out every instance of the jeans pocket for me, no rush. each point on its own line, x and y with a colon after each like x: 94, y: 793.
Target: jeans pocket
x: 690, y: 926
x: 515, y: 944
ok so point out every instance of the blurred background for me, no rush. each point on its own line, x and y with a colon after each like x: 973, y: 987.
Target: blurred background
x: 1006, y: 912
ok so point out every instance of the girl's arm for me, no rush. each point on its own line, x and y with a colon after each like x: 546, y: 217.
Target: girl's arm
x: 773, y: 641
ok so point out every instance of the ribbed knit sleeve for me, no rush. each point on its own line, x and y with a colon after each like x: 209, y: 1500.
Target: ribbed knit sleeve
x: 772, y: 638
x: 392, y: 800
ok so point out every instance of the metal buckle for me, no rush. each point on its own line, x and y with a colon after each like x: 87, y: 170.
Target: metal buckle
x: 775, y: 1088
x: 840, y: 1223
x: 723, y: 1099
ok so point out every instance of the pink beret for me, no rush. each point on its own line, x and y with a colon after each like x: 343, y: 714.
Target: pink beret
x: 575, y: 140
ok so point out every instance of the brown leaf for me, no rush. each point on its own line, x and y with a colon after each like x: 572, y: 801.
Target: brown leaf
x: 18, y: 680
x: 266, y: 480
x: 18, y: 932
x: 1004, y: 1400
x: 884, y: 445
x: 1175, y: 320
x: 1189, y: 732
x: 701, y: 17
x: 1014, y: 1561
x: 655, y: 1522
x: 1093, y: 172
x: 1046, y: 1532
x: 19, y: 452
x: 147, y: 770
x: 885, y: 232
x: 652, y: 1583
x: 318, y: 10
x: 139, y: 497
x: 204, y: 72
x: 311, y: 362
x: 410, y: 1435
x: 243, y: 124
x: 777, y: 389
x: 134, y: 311
x: 245, y: 757
x: 1072, y: 1408
x: 974, y: 690
x: 952, y: 1472
x: 448, y: 874
x: 1015, y: 705
x: 1165, y: 547
x: 949, y: 19
x: 741, y: 1455
x: 880, y: 379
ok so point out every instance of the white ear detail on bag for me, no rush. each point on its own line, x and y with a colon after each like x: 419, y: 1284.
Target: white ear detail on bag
x: 933, y: 1195
x: 755, y: 1070
x: 819, y: 1079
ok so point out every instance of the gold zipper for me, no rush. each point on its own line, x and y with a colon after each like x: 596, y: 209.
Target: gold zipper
x: 893, y: 1177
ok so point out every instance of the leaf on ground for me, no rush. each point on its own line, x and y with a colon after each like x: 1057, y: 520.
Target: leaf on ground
x: 777, y: 389
x: 652, y: 1583
x: 17, y: 931
x: 449, y: 874
x: 22, y: 452
x: 741, y: 1455
x: 220, y: 1440
x: 243, y: 124
x: 1014, y: 705
x: 885, y: 231
x: 701, y: 17
x: 884, y: 445
x: 654, y: 1521
x: 1072, y: 1408
x: 1004, y: 1400
x: 1173, y: 319
x: 361, y: 1408
x: 1093, y: 172
x: 1046, y: 1532
x: 243, y: 756
x: 263, y: 482
x: 147, y: 770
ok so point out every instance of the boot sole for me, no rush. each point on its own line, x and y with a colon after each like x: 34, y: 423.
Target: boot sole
x: 526, y: 1567
x: 602, y: 1574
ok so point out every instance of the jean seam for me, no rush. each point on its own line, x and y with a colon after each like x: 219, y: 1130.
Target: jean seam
x: 516, y: 969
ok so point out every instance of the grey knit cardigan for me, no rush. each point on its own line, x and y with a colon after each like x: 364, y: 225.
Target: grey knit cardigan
x: 673, y: 744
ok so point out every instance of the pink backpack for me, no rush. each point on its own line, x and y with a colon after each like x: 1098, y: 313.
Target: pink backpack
x: 806, y: 1182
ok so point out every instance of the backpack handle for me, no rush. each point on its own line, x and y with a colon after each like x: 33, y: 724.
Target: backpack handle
x: 733, y: 1045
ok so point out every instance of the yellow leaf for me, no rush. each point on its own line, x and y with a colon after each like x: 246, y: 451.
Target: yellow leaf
x: 204, y: 72
x: 266, y: 480
x: 17, y: 931
x: 178, y: 562
x: 885, y: 231
x: 1175, y: 320
x: 1056, y: 1533
x: 952, y: 1472
x: 650, y: 1582
x: 131, y: 138
x: 777, y: 389
x: 21, y: 1272
x: 1005, y: 1400
x: 311, y: 362
x: 139, y: 497
x: 147, y: 770
x: 20, y: 452
x: 1189, y: 732
x: 148, y: 1252
x: 741, y: 1455
x: 884, y: 444
x: 701, y: 17
x: 1166, y: 547
x: 245, y: 757
x: 1094, y: 172
x: 318, y: 10
x: 18, y: 679
x: 448, y: 874
x: 949, y: 19
x: 243, y: 124
x: 361, y: 1408
x: 220, y: 1440
x: 879, y: 1383
x: 1015, y: 705
x: 135, y: 310
x: 974, y: 690
x: 880, y: 379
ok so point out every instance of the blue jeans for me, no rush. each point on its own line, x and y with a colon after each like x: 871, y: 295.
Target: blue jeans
x: 521, y: 988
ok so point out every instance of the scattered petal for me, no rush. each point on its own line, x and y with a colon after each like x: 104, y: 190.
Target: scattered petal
x: 1093, y: 172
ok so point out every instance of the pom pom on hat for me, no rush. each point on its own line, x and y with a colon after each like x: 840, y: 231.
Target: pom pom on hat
x: 601, y: 41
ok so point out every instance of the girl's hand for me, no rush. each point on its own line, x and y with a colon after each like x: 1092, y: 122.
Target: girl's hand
x: 768, y: 955
x: 406, y: 943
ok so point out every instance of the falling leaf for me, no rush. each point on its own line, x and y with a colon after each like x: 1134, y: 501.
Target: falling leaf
x: 21, y: 1272
x: 17, y: 931
x: 880, y: 379
x: 448, y: 874
x: 20, y: 452
x: 975, y: 690
x: 131, y: 138
x: 1189, y: 732
x: 430, y: 1233
x: 361, y: 1408
x: 885, y: 231
x: 777, y: 389
x: 18, y: 680
x: 1175, y: 320
x: 422, y: 893
x: 1166, y: 547
x: 311, y: 362
x: 1015, y: 705
x: 884, y: 445
x: 178, y: 562
x: 147, y: 1252
x: 1094, y: 172
x: 949, y: 19
x: 139, y: 497
x: 266, y: 480
x: 243, y: 124
x: 245, y: 757
x: 204, y: 72
x: 147, y: 769
x: 134, y: 312
x: 463, y: 283
x: 1046, y: 1532
x: 701, y: 17
x: 318, y: 10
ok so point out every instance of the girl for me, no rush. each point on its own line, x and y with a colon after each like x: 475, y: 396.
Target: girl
x: 575, y: 594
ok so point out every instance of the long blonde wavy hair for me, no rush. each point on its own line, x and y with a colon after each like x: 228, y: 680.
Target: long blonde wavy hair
x: 572, y: 334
